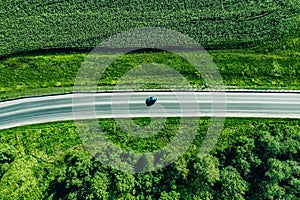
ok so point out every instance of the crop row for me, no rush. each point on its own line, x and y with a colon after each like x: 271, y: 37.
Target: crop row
x: 33, y: 25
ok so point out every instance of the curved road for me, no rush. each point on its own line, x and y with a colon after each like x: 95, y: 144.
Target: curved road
x: 124, y: 104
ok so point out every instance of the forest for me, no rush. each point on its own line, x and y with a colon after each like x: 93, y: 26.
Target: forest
x: 253, y: 159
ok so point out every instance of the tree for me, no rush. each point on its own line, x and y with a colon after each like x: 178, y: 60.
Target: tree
x: 99, y: 186
x: 281, y: 180
x: 232, y: 185
x: 124, y: 185
x: 7, y: 156
x: 79, y: 179
x: 169, y: 195
x: 203, y: 176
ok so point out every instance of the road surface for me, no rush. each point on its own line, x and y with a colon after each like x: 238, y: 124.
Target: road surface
x: 35, y: 110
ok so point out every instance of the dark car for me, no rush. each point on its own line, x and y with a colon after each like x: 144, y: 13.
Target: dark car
x: 150, y: 101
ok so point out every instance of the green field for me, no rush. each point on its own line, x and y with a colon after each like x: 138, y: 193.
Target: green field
x: 253, y: 159
x: 34, y: 25
x: 56, y: 73
x: 46, y: 43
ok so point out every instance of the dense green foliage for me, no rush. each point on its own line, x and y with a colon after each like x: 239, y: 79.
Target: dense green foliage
x: 35, y: 25
x: 56, y: 73
x: 253, y: 159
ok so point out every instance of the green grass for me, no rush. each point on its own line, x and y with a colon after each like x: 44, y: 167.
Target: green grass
x: 56, y: 73
x: 34, y: 25
x: 39, y: 150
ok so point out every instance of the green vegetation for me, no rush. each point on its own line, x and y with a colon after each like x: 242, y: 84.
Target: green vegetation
x: 34, y: 25
x: 253, y: 159
x: 255, y: 44
x: 56, y: 73
x: 53, y: 37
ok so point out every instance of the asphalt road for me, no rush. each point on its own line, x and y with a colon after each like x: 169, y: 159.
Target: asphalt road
x: 123, y: 105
